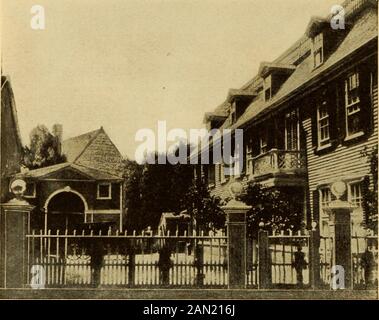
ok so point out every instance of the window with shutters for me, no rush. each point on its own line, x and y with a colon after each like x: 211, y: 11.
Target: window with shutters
x: 352, y: 104
x: 323, y: 129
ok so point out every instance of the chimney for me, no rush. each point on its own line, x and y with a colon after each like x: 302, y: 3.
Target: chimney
x: 58, y: 133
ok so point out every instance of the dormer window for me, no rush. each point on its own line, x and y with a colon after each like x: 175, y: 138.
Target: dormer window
x: 233, y: 115
x: 267, y: 88
x: 318, y: 50
x: 274, y: 75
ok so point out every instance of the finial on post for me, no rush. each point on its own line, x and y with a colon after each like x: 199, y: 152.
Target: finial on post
x: 18, y: 188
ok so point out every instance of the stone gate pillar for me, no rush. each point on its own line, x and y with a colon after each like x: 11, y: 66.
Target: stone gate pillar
x: 237, y: 238
x: 340, y: 217
x: 14, y: 226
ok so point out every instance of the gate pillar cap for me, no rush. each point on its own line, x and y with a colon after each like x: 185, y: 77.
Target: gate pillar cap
x: 236, y: 205
x: 17, y: 204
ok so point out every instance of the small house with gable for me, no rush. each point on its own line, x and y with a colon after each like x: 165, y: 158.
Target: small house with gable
x: 87, y: 188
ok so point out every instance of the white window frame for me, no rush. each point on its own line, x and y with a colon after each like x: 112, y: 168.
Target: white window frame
x: 109, y: 191
x: 322, y: 143
x: 318, y: 49
x: 323, y: 204
x: 263, y: 142
x: 34, y: 194
x: 288, y: 115
x: 350, y: 194
x: 213, y: 183
x: 267, y: 84
x: 355, y: 105
x: 249, y: 157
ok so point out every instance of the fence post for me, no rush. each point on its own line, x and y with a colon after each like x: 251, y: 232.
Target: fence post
x: 199, y: 263
x: 14, y: 226
x: 237, y: 238
x: 264, y: 264
x: 314, y: 259
x: 131, y: 267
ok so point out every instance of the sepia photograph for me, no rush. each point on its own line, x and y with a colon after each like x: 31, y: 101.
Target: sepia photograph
x: 189, y: 150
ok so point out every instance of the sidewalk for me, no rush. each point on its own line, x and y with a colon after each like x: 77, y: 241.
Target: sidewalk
x: 172, y: 294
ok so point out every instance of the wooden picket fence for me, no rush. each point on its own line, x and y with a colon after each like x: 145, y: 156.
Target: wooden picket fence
x: 128, y: 260
x: 81, y: 259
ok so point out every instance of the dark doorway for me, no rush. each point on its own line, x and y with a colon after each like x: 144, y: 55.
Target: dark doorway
x: 65, y: 211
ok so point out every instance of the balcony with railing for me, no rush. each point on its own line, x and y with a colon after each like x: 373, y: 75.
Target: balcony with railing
x: 279, y: 166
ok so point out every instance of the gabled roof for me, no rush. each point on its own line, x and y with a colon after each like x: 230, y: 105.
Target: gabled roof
x: 268, y: 67
x: 316, y: 25
x: 364, y: 30
x: 239, y: 93
x: 6, y: 88
x: 90, y: 173
x: 72, y: 148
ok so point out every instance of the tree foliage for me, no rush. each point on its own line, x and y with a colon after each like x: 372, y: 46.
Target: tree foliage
x: 204, y: 209
x: 370, y: 191
x: 272, y: 209
x: 151, y: 189
x: 43, y: 149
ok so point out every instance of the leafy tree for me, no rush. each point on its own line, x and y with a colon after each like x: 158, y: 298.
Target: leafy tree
x: 152, y: 189
x: 204, y: 208
x: 370, y: 191
x: 277, y: 209
x: 43, y: 149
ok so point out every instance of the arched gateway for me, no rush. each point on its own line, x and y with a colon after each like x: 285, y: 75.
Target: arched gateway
x: 65, y: 209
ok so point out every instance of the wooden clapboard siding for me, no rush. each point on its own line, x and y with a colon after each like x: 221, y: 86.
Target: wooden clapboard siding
x: 345, y: 161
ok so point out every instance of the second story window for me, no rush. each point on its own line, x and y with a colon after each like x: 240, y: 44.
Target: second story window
x: 263, y: 141
x: 318, y: 50
x: 352, y: 103
x: 249, y: 157
x: 323, y: 125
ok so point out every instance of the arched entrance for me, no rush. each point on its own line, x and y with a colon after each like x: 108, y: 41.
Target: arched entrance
x: 65, y: 210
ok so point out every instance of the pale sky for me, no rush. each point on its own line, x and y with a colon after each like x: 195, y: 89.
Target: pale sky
x: 125, y: 64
